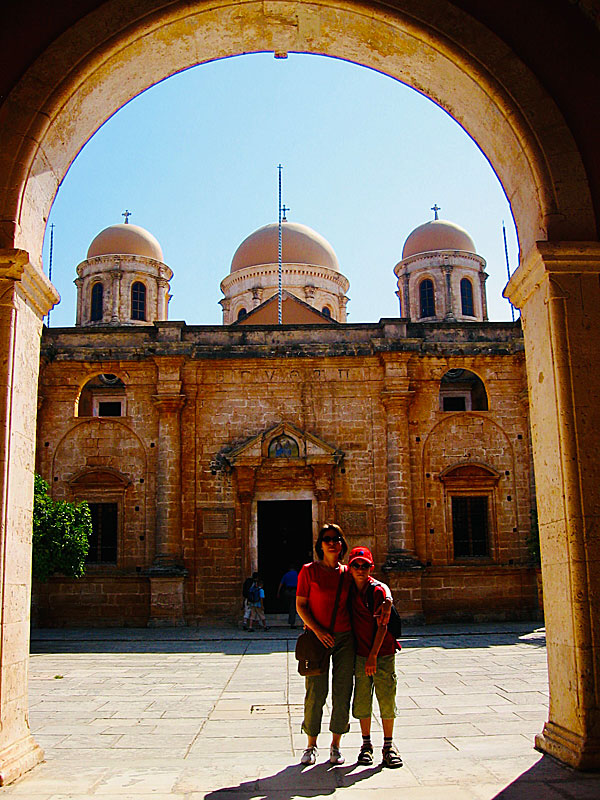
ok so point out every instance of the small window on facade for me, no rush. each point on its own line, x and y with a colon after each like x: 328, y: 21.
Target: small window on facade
x: 470, y: 527
x: 454, y: 403
x: 466, y: 297
x: 96, y: 310
x: 283, y: 447
x: 138, y: 301
x: 462, y: 390
x: 103, y: 541
x: 327, y: 311
x: 242, y: 314
x: 110, y: 408
x: 102, y: 396
x: 427, y: 298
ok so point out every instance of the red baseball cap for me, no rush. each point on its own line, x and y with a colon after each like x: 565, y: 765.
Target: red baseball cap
x: 361, y: 554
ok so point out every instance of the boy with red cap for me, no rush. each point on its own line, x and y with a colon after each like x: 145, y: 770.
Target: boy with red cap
x: 375, y: 658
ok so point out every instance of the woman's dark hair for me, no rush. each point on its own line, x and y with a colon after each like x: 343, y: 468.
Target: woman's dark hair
x: 335, y: 529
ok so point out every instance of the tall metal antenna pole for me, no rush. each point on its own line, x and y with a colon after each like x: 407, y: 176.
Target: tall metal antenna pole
x: 279, y: 254
x: 512, y: 308
x: 50, y: 264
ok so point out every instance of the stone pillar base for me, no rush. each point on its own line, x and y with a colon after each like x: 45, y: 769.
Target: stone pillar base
x: 568, y: 747
x: 166, y: 601
x: 18, y: 758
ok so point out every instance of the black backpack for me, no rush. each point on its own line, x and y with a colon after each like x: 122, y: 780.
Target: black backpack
x: 246, y: 587
x: 395, y: 624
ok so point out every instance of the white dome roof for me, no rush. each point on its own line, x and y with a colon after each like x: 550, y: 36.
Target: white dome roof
x: 299, y: 244
x: 437, y: 234
x: 125, y: 239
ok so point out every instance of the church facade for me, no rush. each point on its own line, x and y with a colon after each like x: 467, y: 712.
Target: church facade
x: 206, y: 452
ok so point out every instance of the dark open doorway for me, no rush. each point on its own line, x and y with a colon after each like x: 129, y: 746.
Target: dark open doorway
x: 284, y: 538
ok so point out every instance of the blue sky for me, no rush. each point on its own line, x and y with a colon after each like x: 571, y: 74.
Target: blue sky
x: 195, y: 159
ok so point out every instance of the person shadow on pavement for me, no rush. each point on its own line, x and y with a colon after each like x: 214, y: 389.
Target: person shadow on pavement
x: 297, y: 781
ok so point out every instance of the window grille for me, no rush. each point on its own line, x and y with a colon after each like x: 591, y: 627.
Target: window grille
x: 138, y: 301
x: 466, y: 297
x: 427, y: 298
x: 97, y: 311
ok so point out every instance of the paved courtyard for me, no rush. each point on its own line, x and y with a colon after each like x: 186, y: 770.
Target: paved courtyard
x: 215, y: 714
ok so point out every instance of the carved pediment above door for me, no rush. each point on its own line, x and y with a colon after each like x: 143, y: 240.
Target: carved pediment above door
x: 281, y: 445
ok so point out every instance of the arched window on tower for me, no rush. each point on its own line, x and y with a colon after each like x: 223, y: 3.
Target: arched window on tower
x: 138, y: 301
x: 427, y: 298
x: 242, y: 314
x: 466, y: 297
x: 326, y: 311
x: 96, y: 306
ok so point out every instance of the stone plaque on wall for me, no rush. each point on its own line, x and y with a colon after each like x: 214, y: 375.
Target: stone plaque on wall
x: 355, y: 520
x: 216, y: 522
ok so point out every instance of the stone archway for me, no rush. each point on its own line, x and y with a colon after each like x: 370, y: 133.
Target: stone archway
x: 90, y: 69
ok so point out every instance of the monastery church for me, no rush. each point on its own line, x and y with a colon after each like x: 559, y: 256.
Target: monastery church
x: 209, y: 451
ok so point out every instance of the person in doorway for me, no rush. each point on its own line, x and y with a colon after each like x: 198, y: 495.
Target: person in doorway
x: 256, y: 599
x: 318, y: 584
x: 287, y: 588
x: 245, y: 595
x: 375, y: 657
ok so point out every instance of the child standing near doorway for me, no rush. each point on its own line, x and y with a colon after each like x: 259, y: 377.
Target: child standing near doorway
x: 375, y: 658
x: 256, y: 597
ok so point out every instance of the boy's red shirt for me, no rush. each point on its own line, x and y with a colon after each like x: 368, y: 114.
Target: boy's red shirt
x: 364, y: 622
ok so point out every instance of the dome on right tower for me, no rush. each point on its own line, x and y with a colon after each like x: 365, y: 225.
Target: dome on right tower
x: 437, y: 234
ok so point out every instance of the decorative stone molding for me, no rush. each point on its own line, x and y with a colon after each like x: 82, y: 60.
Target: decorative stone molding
x: 33, y: 286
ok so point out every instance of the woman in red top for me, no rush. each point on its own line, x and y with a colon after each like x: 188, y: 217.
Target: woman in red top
x: 315, y: 600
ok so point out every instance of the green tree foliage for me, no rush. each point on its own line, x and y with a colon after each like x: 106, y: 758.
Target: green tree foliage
x: 61, y: 533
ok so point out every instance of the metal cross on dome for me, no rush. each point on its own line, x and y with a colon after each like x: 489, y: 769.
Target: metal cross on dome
x: 126, y: 214
x: 435, y: 208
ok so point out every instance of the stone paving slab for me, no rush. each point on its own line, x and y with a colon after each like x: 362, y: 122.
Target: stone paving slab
x: 215, y: 714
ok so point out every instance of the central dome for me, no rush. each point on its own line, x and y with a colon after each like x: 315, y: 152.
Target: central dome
x: 437, y: 234
x: 125, y: 239
x: 299, y: 245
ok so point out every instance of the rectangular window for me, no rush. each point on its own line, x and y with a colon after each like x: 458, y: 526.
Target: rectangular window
x: 456, y: 403
x: 103, y: 541
x: 109, y: 409
x: 470, y: 527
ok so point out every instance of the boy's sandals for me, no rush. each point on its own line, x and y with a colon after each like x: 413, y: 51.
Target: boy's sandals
x: 365, y: 757
x: 391, y: 757
x: 309, y: 756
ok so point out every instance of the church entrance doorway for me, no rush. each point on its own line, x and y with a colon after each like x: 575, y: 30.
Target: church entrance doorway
x: 284, y: 538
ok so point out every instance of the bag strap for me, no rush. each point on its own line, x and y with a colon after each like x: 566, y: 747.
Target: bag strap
x: 337, y: 602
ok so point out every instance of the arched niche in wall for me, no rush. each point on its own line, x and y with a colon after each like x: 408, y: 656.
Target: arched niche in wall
x: 462, y: 390
x: 102, y: 396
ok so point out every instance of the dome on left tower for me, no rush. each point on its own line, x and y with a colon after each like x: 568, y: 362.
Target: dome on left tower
x: 125, y: 239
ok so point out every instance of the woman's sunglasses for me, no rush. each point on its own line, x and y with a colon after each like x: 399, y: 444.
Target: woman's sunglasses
x: 328, y: 539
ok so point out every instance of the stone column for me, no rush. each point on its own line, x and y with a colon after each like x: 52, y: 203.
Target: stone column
x: 449, y: 315
x: 557, y: 289
x: 26, y: 296
x: 116, y: 276
x: 167, y: 573
x: 162, y: 299
x: 483, y: 276
x: 79, y: 313
x: 406, y: 290
x: 323, y: 481
x: 396, y: 398
x: 245, y: 479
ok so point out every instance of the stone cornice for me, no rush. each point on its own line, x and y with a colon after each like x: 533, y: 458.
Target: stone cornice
x: 316, y: 271
x: 34, y: 286
x: 551, y: 258
x: 452, y: 258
